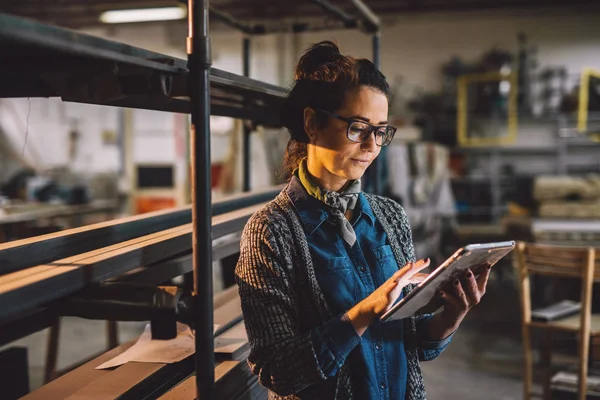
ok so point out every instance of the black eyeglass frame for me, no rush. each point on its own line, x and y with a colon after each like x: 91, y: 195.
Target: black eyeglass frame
x: 374, y: 128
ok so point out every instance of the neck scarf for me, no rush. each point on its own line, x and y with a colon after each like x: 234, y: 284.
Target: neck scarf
x: 339, y: 202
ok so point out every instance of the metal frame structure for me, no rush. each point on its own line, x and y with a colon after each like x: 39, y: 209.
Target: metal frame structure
x: 103, y: 72
x: 200, y: 57
x: 462, y: 109
x: 582, y: 111
x: 369, y: 23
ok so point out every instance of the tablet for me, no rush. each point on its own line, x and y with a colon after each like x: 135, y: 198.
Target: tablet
x: 474, y: 256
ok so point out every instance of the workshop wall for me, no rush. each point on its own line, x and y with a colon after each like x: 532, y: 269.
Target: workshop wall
x: 413, y: 47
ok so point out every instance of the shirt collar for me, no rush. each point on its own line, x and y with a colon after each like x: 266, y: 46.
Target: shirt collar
x: 314, y: 212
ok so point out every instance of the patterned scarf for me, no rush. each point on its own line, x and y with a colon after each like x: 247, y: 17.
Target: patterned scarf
x: 339, y: 202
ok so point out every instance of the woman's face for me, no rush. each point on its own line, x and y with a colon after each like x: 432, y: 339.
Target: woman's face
x: 332, y: 158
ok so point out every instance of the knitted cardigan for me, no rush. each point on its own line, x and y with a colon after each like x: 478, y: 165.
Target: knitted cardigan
x: 282, y: 302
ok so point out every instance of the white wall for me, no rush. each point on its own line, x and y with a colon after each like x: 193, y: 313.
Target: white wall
x: 413, y: 47
x: 39, y: 129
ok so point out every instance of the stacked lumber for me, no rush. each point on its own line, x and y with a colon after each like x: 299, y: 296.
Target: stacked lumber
x: 568, y: 197
x: 148, y: 249
x: 40, y: 284
x: 135, y: 380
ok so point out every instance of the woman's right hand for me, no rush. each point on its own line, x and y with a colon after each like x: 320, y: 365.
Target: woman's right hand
x: 378, y: 302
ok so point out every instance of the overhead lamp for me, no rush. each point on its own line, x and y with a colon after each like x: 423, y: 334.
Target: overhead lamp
x: 143, y: 15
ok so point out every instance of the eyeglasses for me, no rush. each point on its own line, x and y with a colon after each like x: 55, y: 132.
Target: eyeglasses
x: 360, y: 131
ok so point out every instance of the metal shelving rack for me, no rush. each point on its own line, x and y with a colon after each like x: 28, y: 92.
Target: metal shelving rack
x: 568, y: 143
x: 38, y: 60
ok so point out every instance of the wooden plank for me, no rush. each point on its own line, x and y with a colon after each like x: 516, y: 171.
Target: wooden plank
x: 64, y: 386
x: 42, y: 287
x: 43, y: 249
x: 232, y: 344
x: 230, y: 309
x: 74, y: 273
x: 553, y: 271
x: 555, y: 252
x: 187, y: 388
x: 26, y: 273
x: 46, y: 210
x: 115, y: 382
x: 573, y: 263
x: 525, y: 293
x: 225, y: 296
x: 20, y: 254
x: 158, y: 273
x: 85, y: 375
x: 132, y: 379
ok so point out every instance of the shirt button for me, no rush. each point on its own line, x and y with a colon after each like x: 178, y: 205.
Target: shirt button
x: 378, y: 346
x: 362, y: 269
x: 383, y: 386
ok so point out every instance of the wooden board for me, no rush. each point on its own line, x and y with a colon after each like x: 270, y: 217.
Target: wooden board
x: 43, y: 249
x: 42, y: 285
x: 71, y: 382
x: 131, y: 379
x: 47, y: 210
x: 20, y: 254
x: 114, y: 383
x: 158, y: 273
x: 232, y: 344
x: 225, y: 378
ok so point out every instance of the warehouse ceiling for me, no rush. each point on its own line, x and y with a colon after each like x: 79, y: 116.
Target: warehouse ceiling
x: 85, y: 13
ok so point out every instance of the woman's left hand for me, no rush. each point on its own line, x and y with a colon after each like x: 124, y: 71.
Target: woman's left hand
x: 462, y: 294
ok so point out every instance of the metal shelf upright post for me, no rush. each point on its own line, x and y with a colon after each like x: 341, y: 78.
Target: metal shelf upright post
x: 199, y: 60
x: 247, y: 127
x: 376, y: 171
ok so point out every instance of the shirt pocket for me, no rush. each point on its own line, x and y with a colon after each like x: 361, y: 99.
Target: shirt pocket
x: 338, y: 283
x: 384, y: 256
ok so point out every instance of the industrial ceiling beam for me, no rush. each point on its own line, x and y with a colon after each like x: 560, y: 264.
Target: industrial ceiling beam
x: 349, y: 22
x: 371, y: 20
x: 228, y: 20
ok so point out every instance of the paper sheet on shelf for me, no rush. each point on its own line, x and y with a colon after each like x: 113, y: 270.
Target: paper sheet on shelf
x: 157, y: 351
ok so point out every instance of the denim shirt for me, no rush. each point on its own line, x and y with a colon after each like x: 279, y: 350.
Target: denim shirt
x: 347, y: 275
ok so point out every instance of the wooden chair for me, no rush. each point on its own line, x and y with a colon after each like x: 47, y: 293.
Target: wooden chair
x: 558, y: 261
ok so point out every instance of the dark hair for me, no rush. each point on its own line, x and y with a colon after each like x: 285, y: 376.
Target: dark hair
x: 323, y: 78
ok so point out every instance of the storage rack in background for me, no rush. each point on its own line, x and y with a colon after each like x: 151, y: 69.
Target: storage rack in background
x: 39, y: 60
x: 370, y: 24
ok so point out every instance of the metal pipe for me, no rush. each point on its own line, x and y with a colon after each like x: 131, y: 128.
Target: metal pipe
x: 247, y: 130
x: 230, y: 21
x: 246, y: 55
x: 338, y: 12
x: 298, y: 27
x: 199, y: 63
x: 377, y: 50
x: 375, y: 170
x: 370, y: 17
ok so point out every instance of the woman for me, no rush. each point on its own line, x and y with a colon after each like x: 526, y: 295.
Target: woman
x: 322, y: 261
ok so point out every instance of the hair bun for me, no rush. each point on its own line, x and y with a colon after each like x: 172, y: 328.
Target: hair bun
x: 314, y: 59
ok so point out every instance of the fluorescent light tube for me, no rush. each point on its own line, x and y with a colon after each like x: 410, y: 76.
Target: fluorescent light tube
x: 143, y: 15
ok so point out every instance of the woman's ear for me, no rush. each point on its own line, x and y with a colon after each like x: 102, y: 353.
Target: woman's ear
x: 310, y: 124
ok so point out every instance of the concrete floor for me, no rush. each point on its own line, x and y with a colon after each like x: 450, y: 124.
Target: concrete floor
x: 482, y: 362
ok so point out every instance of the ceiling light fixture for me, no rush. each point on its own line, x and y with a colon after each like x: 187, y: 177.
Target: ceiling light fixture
x: 143, y: 15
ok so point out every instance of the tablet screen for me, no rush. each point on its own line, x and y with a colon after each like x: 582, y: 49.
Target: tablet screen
x: 475, y: 257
